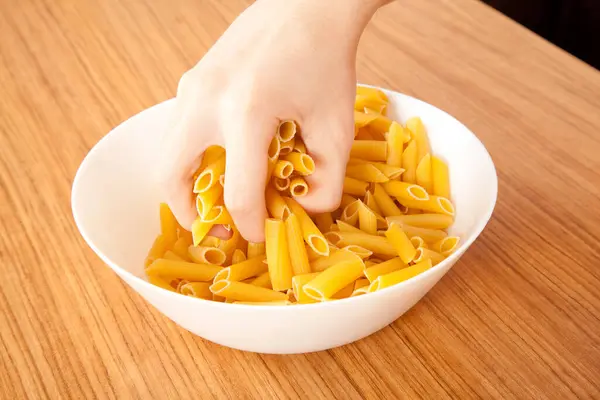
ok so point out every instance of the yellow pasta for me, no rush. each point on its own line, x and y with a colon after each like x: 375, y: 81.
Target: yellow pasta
x: 181, y: 249
x: 212, y: 154
x: 299, y: 146
x: 371, y: 203
x: 281, y: 184
x: 428, y: 235
x: 344, y: 292
x: 394, y: 264
x: 263, y: 280
x: 298, y: 187
x: 419, y: 135
x: 286, y: 131
x: 440, y: 177
x: 423, y: 174
x: 336, y: 257
x: 401, y: 243
x: 370, y: 150
x: 218, y: 215
x: 355, y: 187
x: 362, y: 119
x: 324, y: 221
x: 298, y: 256
x: 206, y: 200
x: 210, y: 241
x: 429, y: 221
x: 427, y: 254
x: 210, y: 175
x: 384, y: 201
x: 366, y: 219
x: 197, y: 289
x: 276, y: 206
x: 265, y: 303
x: 377, y: 244
x: 302, y: 163
x: 169, y: 255
x: 298, y: 283
x: 350, y: 213
x: 359, y: 251
x: 272, y: 156
x: 278, y: 255
x: 417, y: 241
x: 168, y: 224
x: 200, y: 229
x: 393, y: 278
x: 207, y: 255
x: 239, y: 291
x: 312, y: 236
x: 283, y: 169
x: 346, y: 200
x: 334, y: 278
x: 184, y: 270
x: 434, y: 204
x: 287, y: 147
x: 238, y: 257
x: 409, y: 162
x: 255, y: 249
x: 395, y: 145
x: 160, y: 282
x: 366, y: 172
x: 158, y: 249
x: 404, y: 191
x: 244, y: 270
x: 371, y: 92
x: 346, y: 227
x: 446, y: 246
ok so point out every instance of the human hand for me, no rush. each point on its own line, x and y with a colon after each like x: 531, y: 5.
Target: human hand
x: 279, y: 60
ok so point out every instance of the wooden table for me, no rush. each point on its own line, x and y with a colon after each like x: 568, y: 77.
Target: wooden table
x: 517, y: 317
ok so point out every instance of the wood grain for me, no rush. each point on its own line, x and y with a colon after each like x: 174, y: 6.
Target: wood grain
x: 517, y: 317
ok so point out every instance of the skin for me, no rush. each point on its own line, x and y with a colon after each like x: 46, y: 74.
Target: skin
x: 280, y: 59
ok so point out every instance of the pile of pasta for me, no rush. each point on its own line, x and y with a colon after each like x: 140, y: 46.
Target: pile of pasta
x: 390, y: 227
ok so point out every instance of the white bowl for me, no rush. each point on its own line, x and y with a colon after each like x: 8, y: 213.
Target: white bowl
x: 115, y: 204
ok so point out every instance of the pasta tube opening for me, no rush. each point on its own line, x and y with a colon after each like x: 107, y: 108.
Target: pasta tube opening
x: 286, y: 131
x: 219, y: 286
x: 281, y: 184
x: 298, y: 187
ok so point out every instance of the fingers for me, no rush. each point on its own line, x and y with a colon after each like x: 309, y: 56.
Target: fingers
x: 246, y: 143
x: 329, y: 143
x: 179, y: 159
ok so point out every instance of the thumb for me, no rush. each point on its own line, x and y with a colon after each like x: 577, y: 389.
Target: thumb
x: 246, y: 144
x: 328, y: 142
x: 178, y: 162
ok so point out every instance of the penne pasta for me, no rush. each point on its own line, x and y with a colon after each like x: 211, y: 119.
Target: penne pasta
x: 287, y: 147
x: 158, y: 249
x: 276, y: 206
x: 417, y: 241
x: 265, y: 303
x: 371, y: 203
x: 298, y: 187
x: 440, y: 178
x: 218, y: 215
x: 160, y: 282
x: 366, y: 172
x: 302, y: 163
x: 346, y: 227
x: 428, y: 235
x: 180, y: 248
x: 312, y: 236
x: 298, y: 256
x: 263, y: 280
x: 184, y: 270
x: 362, y: 119
x: 395, y: 144
x: 200, y: 229
x: 429, y: 221
x: 207, y: 255
x: 401, y: 243
x: 435, y: 204
x: 283, y: 169
x: 238, y: 257
x: 273, y: 152
x: 355, y: 187
x: 419, y: 135
x: 404, y: 191
x: 336, y: 257
x: 255, y: 249
x: 197, y: 289
x: 324, y: 221
x: 239, y: 291
x: 298, y: 283
x: 205, y: 201
x: 169, y: 255
x: 359, y: 251
x: 401, y: 275
x: 372, y: 92
x: 375, y: 271
x: 212, y: 154
x: 446, y: 246
x: 168, y: 225
x: 377, y: 244
x: 390, y: 171
x: 344, y: 292
x: 244, y: 270
x: 423, y: 174
x: 370, y: 150
x: 367, y: 220
x: 334, y: 278
x: 426, y: 254
x: 299, y: 146
x: 384, y: 201
x: 209, y: 177
x: 346, y: 200
x: 286, y: 131
x: 210, y: 241
x: 350, y: 213
x: 278, y: 256
x: 409, y: 162
x: 281, y: 184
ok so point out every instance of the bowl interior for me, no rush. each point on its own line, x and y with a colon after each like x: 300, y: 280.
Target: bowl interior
x: 115, y: 195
